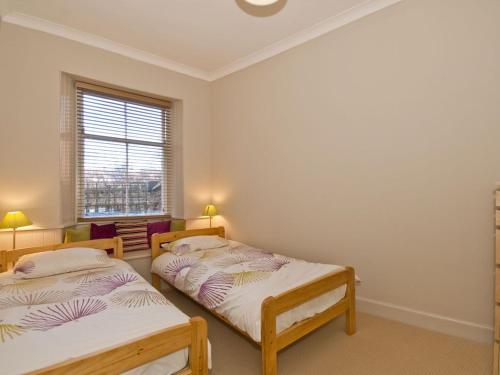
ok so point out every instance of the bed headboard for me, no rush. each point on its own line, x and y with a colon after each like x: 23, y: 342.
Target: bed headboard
x: 10, y: 257
x: 159, y: 238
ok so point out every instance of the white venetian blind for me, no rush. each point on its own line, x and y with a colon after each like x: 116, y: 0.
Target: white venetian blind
x: 125, y: 165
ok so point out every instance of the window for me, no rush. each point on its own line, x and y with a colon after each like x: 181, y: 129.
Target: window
x: 124, y: 154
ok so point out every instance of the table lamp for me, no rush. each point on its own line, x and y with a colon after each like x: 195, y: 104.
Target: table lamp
x: 14, y: 220
x: 210, y: 210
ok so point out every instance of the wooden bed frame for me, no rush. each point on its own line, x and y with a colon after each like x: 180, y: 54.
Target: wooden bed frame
x: 271, y: 342
x: 134, y: 353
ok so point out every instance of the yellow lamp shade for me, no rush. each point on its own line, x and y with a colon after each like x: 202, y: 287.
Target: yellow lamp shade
x: 15, y: 219
x: 209, y: 210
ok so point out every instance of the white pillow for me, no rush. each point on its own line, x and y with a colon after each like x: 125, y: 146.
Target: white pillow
x: 195, y: 243
x: 55, y: 262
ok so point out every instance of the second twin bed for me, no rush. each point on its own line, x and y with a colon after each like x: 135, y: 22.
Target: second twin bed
x: 271, y: 299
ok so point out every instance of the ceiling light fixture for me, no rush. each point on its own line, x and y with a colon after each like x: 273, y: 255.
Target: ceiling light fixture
x: 260, y: 3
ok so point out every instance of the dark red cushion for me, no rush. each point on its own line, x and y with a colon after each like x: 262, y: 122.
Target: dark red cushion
x: 158, y: 227
x: 98, y: 232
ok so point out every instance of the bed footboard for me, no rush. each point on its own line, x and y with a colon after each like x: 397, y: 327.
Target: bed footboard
x: 141, y: 351
x: 272, y: 342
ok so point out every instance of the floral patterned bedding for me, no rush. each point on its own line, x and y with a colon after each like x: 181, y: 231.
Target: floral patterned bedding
x: 48, y: 320
x: 234, y: 281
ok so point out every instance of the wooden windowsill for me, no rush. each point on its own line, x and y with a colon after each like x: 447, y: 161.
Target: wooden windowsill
x: 121, y: 218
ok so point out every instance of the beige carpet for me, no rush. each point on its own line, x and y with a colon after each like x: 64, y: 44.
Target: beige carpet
x: 380, y: 347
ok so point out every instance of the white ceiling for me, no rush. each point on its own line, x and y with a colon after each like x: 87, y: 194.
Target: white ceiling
x: 204, y: 38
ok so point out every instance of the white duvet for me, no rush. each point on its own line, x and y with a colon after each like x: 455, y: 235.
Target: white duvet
x: 234, y: 281
x: 48, y: 320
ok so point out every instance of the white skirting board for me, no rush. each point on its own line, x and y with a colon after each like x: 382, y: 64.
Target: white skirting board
x: 422, y: 319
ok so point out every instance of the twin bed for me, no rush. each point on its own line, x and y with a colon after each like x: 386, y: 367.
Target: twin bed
x: 271, y: 299
x: 103, y: 320
x: 110, y: 320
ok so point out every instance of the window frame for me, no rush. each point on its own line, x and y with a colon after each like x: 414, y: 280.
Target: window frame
x: 132, y: 97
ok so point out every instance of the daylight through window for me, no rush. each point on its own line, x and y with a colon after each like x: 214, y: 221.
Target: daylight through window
x: 124, y: 154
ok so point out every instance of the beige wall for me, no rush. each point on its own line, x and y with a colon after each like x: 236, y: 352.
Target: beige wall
x: 31, y: 63
x: 377, y: 146
x: 374, y: 145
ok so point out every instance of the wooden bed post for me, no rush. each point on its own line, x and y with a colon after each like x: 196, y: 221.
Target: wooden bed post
x: 350, y: 314
x: 156, y: 281
x: 268, y: 343
x: 199, y: 348
x: 118, y: 251
x: 155, y: 251
x: 3, y: 260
